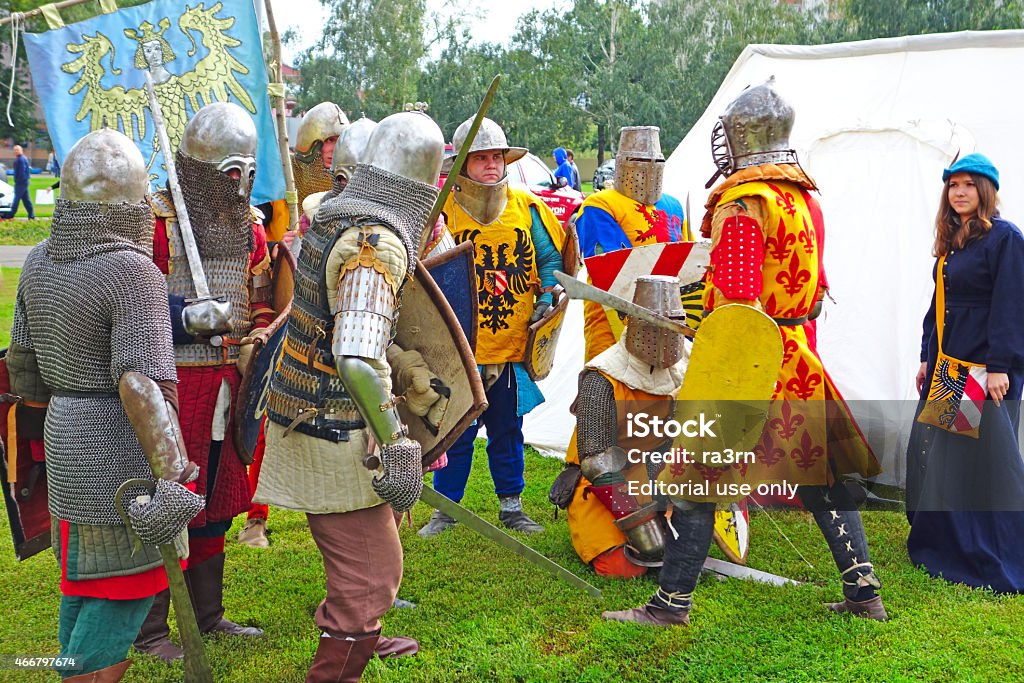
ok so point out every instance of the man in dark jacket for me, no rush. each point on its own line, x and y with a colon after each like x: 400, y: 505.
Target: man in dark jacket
x: 21, y: 174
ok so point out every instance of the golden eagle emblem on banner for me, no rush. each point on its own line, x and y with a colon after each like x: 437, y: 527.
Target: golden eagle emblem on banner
x: 212, y: 78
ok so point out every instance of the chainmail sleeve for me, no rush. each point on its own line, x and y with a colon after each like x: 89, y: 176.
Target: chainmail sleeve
x: 596, y: 418
x: 140, y: 323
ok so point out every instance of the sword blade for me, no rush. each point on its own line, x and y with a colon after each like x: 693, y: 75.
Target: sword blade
x: 195, y: 264
x: 489, y: 531
x: 740, y: 572
x: 577, y: 289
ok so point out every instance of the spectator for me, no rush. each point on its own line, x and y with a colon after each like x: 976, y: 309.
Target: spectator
x: 564, y: 169
x: 21, y: 175
x: 575, y: 171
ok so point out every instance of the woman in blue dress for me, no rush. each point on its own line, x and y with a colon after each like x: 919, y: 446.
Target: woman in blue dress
x: 965, y: 496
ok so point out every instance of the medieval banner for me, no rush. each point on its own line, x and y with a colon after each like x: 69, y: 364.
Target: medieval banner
x: 90, y: 74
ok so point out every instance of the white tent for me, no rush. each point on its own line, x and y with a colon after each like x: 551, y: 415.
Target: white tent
x: 876, y: 122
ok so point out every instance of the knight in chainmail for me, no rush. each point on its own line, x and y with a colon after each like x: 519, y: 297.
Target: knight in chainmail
x: 91, y: 310
x: 318, y: 135
x: 638, y: 374
x: 215, y: 166
x: 764, y: 221
x: 330, y: 398
x: 518, y: 243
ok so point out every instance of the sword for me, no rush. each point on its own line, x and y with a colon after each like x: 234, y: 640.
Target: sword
x: 488, y: 530
x: 740, y: 572
x: 460, y: 159
x: 219, y: 309
x: 197, y: 666
x: 577, y: 289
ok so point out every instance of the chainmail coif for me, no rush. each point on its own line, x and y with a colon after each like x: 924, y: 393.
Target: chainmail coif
x: 387, y: 198
x: 221, y: 220
x: 92, y: 305
x: 83, y: 229
x: 310, y: 174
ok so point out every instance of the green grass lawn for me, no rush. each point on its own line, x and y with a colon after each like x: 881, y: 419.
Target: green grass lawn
x: 8, y: 289
x: 37, y: 182
x: 485, y: 615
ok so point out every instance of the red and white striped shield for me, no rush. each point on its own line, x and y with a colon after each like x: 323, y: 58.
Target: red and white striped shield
x: 495, y: 282
x: 616, y: 271
x: 972, y: 401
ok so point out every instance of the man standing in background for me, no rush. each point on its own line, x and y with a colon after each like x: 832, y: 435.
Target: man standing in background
x: 21, y: 175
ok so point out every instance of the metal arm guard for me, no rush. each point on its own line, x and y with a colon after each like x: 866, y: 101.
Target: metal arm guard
x: 367, y: 304
x: 605, y: 467
x: 156, y: 427
x: 375, y: 403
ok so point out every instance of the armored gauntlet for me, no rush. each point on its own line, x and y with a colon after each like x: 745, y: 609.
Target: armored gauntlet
x: 402, y: 481
x: 158, y: 519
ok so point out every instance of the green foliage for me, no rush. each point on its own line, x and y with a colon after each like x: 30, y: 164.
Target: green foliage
x: 368, y: 57
x: 572, y: 78
x: 865, y: 19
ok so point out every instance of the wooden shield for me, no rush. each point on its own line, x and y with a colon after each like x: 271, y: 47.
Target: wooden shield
x: 454, y: 272
x: 542, y: 338
x: 25, y: 492
x: 427, y: 324
x: 251, y: 405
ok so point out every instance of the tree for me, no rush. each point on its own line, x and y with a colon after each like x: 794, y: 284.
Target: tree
x: 865, y: 19
x: 367, y: 60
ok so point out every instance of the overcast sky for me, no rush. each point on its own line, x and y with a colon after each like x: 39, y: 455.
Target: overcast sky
x: 495, y: 24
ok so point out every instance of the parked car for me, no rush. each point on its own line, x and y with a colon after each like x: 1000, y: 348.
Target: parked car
x: 6, y: 195
x: 604, y: 173
x: 537, y: 177
x: 532, y: 173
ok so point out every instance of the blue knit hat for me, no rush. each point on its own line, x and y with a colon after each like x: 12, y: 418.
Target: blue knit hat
x: 974, y: 163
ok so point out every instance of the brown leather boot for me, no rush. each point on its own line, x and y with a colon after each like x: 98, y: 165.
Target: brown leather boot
x: 396, y: 647
x: 112, y: 674
x: 154, y: 636
x: 340, y: 660
x: 868, y: 609
x: 649, y: 615
x: 206, y: 588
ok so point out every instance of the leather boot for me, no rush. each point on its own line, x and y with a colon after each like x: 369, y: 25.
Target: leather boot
x: 154, y: 636
x: 206, y: 588
x: 112, y: 674
x: 254, y: 534
x: 396, y: 647
x: 869, y: 609
x: 438, y: 522
x: 649, y: 615
x: 340, y: 660
x: 517, y: 520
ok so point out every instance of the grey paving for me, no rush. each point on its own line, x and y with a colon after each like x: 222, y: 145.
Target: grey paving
x: 13, y: 257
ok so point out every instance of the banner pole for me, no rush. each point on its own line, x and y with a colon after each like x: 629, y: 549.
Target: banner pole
x: 290, y: 195
x: 39, y: 10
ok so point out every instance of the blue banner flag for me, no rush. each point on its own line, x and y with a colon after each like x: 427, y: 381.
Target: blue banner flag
x: 90, y: 75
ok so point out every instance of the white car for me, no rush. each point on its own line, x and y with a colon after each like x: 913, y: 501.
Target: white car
x: 6, y: 195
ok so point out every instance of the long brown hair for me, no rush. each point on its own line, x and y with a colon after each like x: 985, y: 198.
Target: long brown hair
x: 949, y: 232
